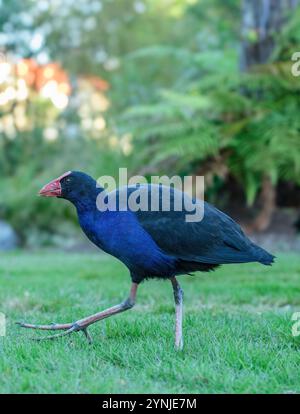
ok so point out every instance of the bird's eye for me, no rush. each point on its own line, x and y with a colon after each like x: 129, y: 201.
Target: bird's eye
x: 68, y: 180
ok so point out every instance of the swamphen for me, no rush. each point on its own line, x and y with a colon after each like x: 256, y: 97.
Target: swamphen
x: 152, y: 244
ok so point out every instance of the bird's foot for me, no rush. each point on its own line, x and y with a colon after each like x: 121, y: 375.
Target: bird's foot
x: 83, y: 324
x: 67, y: 327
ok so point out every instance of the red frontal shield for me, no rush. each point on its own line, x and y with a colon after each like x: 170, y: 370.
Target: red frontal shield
x: 53, y: 189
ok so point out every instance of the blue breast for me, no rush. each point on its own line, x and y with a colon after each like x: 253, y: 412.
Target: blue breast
x: 120, y: 234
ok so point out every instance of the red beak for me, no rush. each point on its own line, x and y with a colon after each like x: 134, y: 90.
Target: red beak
x: 53, y: 189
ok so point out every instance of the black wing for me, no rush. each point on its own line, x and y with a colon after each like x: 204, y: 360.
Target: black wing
x: 216, y: 239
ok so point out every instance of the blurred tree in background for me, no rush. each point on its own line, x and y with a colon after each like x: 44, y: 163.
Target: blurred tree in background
x: 160, y: 86
x: 229, y: 119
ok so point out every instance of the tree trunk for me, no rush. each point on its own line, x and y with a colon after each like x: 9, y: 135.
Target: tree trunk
x: 268, y: 202
x: 261, y: 20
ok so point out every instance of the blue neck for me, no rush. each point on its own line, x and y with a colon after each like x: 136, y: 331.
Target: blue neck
x: 86, y: 201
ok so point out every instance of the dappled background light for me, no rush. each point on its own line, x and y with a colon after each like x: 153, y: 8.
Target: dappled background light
x: 194, y: 87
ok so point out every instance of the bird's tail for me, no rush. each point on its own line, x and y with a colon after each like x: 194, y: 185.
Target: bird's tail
x: 262, y: 256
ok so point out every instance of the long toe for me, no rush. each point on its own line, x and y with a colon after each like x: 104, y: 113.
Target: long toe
x: 51, y: 327
x: 59, y: 335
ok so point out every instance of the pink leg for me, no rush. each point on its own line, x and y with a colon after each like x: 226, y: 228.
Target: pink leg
x: 178, y: 297
x: 82, y: 324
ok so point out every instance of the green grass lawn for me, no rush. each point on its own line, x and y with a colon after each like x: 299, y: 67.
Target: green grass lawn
x: 237, y: 328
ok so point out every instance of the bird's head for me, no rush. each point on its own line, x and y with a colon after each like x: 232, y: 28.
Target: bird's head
x: 72, y: 185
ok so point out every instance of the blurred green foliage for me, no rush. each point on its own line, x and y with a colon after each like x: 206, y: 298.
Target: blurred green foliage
x: 176, y: 93
x: 248, y: 120
x: 20, y: 204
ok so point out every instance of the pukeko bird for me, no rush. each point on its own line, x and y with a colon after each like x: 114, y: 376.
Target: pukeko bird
x: 152, y: 244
